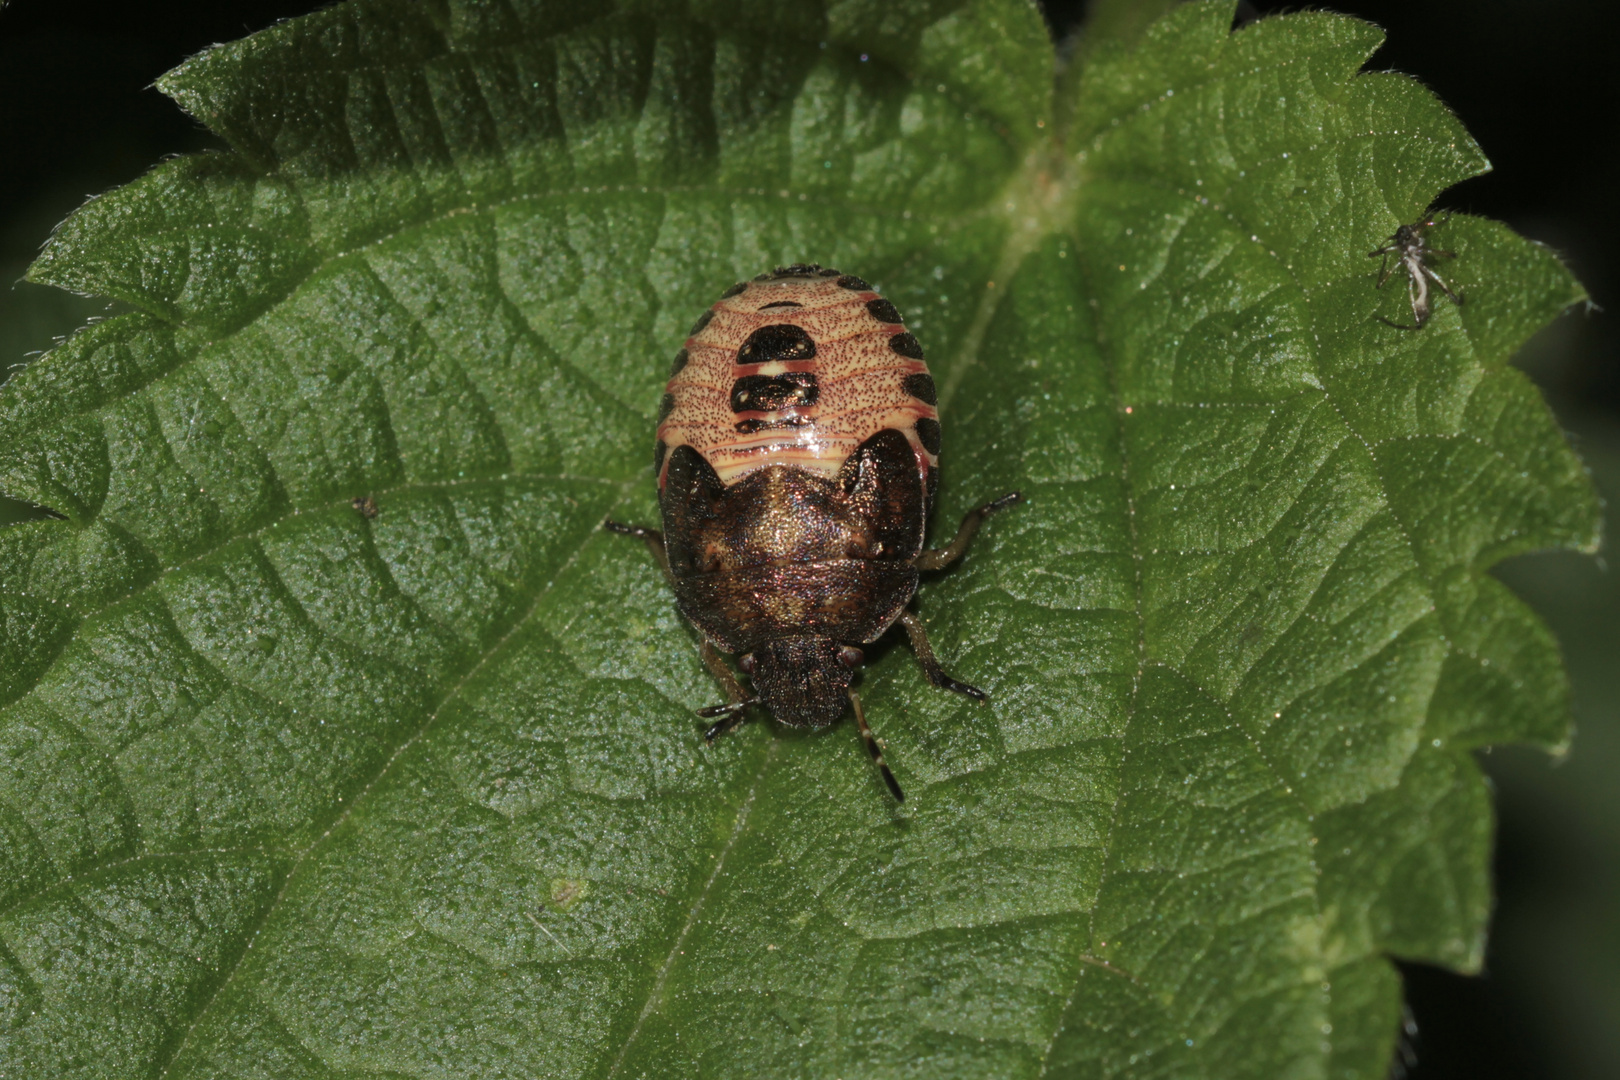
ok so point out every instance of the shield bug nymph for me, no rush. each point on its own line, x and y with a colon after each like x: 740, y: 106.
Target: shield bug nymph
x: 1412, y: 252
x: 797, y: 460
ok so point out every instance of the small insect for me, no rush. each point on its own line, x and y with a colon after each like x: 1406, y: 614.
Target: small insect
x: 797, y: 460
x: 1412, y: 252
x: 366, y: 505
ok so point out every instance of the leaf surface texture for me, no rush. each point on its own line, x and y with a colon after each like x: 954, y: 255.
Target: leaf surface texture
x: 290, y: 791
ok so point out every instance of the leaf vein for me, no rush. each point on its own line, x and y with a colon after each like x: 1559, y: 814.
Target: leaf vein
x: 655, y: 994
x: 1127, y: 489
x: 305, y: 857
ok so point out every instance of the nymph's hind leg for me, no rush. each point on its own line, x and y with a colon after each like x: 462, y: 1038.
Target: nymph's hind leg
x: 942, y: 557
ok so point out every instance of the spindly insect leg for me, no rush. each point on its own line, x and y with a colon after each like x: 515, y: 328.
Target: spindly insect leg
x: 653, y: 538
x: 1434, y: 277
x: 930, y: 663
x: 874, y: 749
x: 733, y: 712
x: 942, y: 557
x: 1384, y: 269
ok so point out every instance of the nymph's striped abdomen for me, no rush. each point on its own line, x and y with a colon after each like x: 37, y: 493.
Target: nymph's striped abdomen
x: 797, y: 367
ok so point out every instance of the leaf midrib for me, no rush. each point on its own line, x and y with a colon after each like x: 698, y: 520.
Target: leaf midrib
x: 1128, y: 489
x: 656, y: 992
x: 1018, y: 245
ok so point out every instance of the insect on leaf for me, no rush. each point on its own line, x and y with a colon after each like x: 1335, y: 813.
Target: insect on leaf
x: 337, y: 739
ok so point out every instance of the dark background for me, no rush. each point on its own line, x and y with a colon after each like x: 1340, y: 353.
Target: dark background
x: 1536, y: 84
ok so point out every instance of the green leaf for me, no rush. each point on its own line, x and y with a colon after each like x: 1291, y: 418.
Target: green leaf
x: 288, y: 790
x: 1116, y: 23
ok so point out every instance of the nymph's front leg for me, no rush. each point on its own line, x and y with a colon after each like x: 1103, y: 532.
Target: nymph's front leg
x: 734, y: 712
x: 930, y: 663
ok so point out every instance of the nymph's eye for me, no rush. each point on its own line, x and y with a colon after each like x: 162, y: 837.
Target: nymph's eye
x: 747, y: 663
x: 850, y: 656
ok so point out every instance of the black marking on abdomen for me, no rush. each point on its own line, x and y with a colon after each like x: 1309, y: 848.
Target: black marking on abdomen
x: 883, y: 311
x: 748, y: 427
x: 797, y: 270
x: 767, y: 393
x: 781, y: 304
x: 779, y: 341
x: 850, y: 281
x: 666, y: 406
x: 928, y: 434
x: 679, y: 363
x: 658, y: 456
x: 921, y: 387
x: 907, y: 346
x: 703, y: 320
